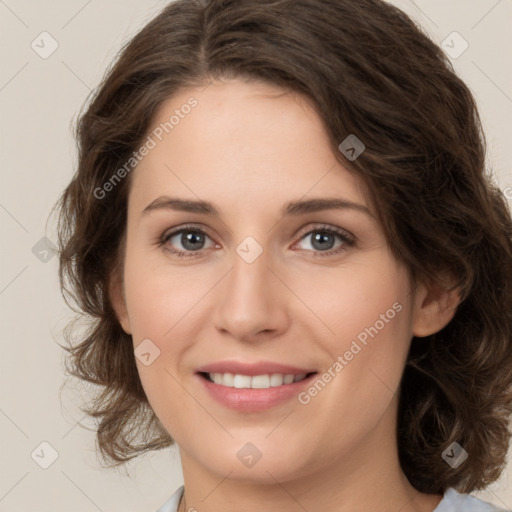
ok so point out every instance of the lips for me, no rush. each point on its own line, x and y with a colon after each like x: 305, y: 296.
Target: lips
x: 253, y: 387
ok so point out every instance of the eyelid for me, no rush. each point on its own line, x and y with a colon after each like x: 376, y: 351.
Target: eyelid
x: 319, y: 226
x: 186, y: 227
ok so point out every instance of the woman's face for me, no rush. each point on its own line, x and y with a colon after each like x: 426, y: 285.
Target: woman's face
x: 276, y: 283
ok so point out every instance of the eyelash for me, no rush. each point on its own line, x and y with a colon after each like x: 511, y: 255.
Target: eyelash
x: 343, y: 235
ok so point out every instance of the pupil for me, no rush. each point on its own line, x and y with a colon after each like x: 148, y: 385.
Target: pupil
x: 321, y: 239
x: 189, y: 239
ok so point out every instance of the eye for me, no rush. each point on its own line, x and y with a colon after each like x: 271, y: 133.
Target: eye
x: 191, y: 239
x: 322, y: 240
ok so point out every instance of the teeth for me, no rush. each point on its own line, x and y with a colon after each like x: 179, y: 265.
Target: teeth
x: 255, y: 382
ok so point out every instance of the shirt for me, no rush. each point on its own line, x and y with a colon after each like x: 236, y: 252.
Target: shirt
x: 452, y: 501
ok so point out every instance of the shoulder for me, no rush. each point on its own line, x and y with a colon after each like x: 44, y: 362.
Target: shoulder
x: 454, y: 501
x: 171, y: 505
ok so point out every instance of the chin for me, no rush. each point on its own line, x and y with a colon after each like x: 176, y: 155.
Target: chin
x: 252, y: 462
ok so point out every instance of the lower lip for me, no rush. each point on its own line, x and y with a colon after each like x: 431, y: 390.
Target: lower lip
x: 254, y: 400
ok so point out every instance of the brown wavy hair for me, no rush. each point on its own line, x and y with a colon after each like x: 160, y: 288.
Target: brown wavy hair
x: 371, y: 71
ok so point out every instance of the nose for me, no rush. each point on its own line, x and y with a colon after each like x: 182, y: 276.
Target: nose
x: 252, y: 301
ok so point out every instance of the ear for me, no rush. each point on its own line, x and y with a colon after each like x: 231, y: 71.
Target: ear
x: 434, y: 306
x: 118, y: 301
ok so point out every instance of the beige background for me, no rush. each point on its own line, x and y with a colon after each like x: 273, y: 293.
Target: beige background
x: 39, y: 99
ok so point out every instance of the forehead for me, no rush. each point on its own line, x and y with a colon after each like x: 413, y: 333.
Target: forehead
x: 241, y: 141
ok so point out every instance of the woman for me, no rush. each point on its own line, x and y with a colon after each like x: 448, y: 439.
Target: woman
x: 297, y: 266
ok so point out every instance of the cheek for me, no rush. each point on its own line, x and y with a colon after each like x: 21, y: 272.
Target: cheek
x: 368, y: 312
x: 367, y: 296
x: 160, y: 307
x: 158, y: 295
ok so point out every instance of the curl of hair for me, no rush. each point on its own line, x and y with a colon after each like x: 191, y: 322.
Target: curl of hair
x: 380, y: 77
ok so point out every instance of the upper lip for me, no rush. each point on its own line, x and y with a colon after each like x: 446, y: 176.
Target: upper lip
x: 259, y: 368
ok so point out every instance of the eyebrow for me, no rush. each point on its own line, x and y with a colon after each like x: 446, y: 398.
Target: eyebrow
x: 293, y: 208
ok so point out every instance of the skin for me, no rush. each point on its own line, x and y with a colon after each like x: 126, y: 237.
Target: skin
x: 249, y: 148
